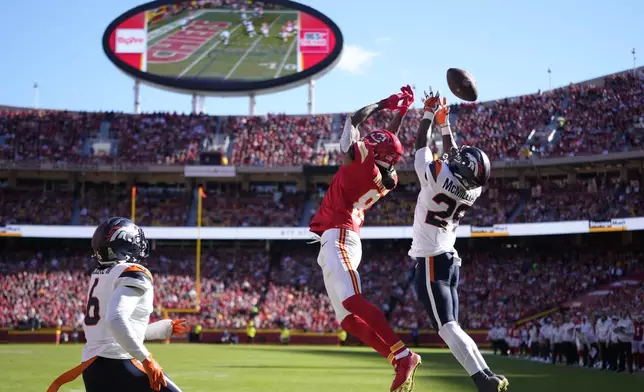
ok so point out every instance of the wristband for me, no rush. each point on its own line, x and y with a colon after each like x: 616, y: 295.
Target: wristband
x: 428, y: 116
x: 445, y: 130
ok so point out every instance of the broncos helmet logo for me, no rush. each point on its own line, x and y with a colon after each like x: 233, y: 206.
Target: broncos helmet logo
x: 471, y: 164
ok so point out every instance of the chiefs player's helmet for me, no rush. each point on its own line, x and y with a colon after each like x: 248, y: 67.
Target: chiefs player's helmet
x: 387, y: 149
x: 119, y: 240
x: 471, y: 166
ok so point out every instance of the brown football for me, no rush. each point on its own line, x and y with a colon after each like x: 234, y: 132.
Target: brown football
x: 462, y: 84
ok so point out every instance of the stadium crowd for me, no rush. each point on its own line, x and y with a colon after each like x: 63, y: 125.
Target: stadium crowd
x: 241, y: 281
x: 589, y: 119
x: 606, y: 333
x: 540, y: 200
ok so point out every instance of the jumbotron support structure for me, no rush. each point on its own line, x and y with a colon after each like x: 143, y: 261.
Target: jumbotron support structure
x: 137, y: 96
x: 311, y: 100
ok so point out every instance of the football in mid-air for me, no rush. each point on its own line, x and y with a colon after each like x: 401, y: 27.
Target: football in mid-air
x: 462, y: 84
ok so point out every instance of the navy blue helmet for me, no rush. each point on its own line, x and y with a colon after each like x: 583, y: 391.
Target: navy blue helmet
x: 118, y: 240
x: 471, y: 166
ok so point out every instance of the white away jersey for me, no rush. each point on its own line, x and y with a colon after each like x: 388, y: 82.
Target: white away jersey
x: 442, y: 202
x: 100, y: 341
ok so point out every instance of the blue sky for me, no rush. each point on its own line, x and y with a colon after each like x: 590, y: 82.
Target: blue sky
x: 507, y: 44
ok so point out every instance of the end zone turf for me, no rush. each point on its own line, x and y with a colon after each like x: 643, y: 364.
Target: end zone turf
x: 201, y: 368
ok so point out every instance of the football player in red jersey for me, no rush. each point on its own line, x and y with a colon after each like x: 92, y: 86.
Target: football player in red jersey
x: 638, y: 343
x: 367, y: 175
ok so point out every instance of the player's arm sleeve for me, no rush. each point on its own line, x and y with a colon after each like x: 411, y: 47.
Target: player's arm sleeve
x: 119, y: 311
x: 426, y: 168
x: 350, y: 135
x: 159, y: 330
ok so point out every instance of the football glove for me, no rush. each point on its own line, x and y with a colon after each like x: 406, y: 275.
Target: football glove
x: 155, y: 373
x: 408, y: 99
x: 441, y: 114
x: 179, y: 327
x: 431, y: 102
x: 400, y: 101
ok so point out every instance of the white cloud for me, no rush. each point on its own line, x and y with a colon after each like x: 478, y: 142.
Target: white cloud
x: 382, y: 40
x: 356, y: 59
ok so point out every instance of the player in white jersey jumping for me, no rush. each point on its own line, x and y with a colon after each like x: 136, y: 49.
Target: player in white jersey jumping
x: 116, y: 318
x: 449, y: 186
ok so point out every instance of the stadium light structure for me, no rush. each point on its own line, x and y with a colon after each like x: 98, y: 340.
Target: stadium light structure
x: 35, y: 87
x: 634, y: 61
x: 549, y: 78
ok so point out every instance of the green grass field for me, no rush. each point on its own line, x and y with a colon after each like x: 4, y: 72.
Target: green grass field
x: 246, y: 58
x: 204, y: 368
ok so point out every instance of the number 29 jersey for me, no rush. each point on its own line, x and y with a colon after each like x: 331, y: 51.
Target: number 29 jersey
x: 103, y: 282
x: 441, y: 203
x: 354, y: 188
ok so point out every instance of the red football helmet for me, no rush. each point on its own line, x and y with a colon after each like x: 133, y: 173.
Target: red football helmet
x: 386, y: 147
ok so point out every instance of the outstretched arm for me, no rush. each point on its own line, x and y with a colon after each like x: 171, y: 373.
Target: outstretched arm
x: 431, y: 104
x: 442, y: 118
x: 396, y: 122
x: 351, y: 133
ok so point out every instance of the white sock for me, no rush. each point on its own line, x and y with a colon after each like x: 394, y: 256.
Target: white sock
x: 463, y: 348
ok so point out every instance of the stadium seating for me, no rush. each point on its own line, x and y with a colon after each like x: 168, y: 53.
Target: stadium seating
x: 239, y: 208
x: 287, y: 287
x: 589, y: 119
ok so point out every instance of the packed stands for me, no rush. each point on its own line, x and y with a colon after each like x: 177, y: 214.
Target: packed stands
x: 286, y: 286
x: 261, y: 207
x: 155, y: 205
x: 589, y: 118
x: 35, y: 207
x: 595, y: 199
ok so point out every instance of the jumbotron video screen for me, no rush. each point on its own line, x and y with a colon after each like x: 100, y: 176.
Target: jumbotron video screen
x: 198, y: 39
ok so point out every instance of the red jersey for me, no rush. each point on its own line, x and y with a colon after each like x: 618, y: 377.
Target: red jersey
x: 639, y: 331
x: 354, y: 189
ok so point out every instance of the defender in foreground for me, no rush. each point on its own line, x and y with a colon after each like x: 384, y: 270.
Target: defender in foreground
x: 116, y: 319
x: 448, y: 188
x: 367, y: 175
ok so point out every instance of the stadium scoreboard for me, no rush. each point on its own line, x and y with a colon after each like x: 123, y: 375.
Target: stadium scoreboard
x: 208, y: 47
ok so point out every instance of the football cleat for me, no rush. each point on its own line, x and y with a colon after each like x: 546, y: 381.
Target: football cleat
x: 405, y: 372
x: 490, y: 384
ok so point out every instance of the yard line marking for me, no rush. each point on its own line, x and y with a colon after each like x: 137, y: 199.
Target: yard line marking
x: 213, y: 47
x: 241, y: 60
x: 288, y: 53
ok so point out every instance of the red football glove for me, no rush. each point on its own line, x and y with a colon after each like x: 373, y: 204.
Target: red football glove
x: 155, y: 373
x: 407, y: 100
x: 179, y: 327
x: 393, y: 102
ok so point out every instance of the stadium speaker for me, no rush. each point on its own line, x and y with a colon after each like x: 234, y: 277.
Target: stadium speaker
x: 210, y: 158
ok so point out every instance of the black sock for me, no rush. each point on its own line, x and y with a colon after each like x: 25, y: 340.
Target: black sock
x: 480, y: 375
x: 488, y: 372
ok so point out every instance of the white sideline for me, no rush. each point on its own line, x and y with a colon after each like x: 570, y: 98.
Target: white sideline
x: 288, y: 53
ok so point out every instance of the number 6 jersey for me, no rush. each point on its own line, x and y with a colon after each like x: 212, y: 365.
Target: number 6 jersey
x: 103, y: 282
x: 441, y: 203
